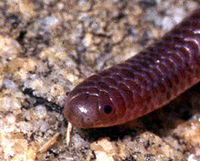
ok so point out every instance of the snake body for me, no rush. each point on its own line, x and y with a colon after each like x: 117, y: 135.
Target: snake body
x: 142, y: 83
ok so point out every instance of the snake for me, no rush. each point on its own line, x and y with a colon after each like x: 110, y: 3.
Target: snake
x: 141, y: 84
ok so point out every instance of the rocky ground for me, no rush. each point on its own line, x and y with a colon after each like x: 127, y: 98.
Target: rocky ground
x: 47, y: 47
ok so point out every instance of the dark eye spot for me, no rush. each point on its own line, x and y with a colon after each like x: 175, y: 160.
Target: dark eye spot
x: 107, y: 109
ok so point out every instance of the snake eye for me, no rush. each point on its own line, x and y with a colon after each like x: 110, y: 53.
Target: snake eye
x: 107, y: 109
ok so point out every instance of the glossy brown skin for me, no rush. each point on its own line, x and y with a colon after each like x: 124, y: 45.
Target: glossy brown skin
x: 141, y: 84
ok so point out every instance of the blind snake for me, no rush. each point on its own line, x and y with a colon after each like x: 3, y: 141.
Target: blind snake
x: 141, y: 84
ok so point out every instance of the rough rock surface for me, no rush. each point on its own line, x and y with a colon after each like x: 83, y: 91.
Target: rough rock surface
x: 47, y: 47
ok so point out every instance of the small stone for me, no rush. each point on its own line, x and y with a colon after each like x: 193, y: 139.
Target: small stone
x: 9, y: 48
x: 104, y: 149
x: 87, y: 41
x: 41, y: 111
x: 9, y: 84
x: 47, y: 22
